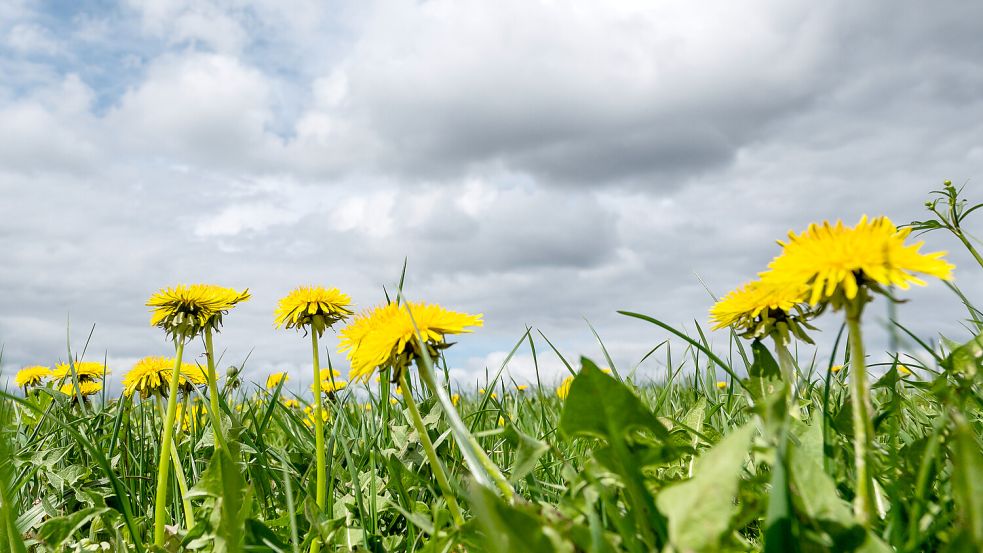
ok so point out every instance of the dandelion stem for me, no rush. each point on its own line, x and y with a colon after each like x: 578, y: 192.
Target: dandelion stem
x: 182, y: 481
x: 322, y: 472
x: 213, y: 412
x: 160, y: 505
x: 860, y: 403
x: 435, y: 464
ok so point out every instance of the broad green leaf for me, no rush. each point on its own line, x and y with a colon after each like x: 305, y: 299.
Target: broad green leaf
x: 700, y: 509
x: 527, y: 454
x: 513, y: 528
x: 57, y: 530
x: 967, y: 480
x: 967, y: 359
x: 600, y: 406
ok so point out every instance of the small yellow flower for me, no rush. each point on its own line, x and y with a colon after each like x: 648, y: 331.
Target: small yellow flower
x: 379, y: 336
x: 331, y: 387
x: 904, y: 371
x: 153, y: 375
x: 393, y: 401
x: 313, y: 307
x: 290, y: 403
x: 721, y: 384
x: 522, y: 387
x: 275, y: 379
x: 833, y: 258
x: 184, y: 311
x: 87, y: 388
x: 455, y: 399
x: 368, y: 406
x: 836, y: 368
x: 32, y: 376
x: 310, y: 411
x: 193, y: 418
x: 563, y: 390
x: 747, y: 307
x: 501, y: 421
x: 85, y: 370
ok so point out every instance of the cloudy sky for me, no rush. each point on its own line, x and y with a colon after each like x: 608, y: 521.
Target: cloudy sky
x: 543, y: 163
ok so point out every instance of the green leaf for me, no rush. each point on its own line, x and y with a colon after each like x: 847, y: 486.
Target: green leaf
x: 764, y: 374
x: 56, y: 530
x: 967, y: 359
x: 700, y: 509
x: 512, y: 528
x: 967, y: 480
x: 600, y: 406
x: 527, y: 454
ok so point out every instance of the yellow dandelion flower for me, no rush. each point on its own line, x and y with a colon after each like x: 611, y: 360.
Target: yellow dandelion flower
x: 481, y: 391
x: 836, y: 368
x: 275, y: 379
x: 721, y: 385
x: 85, y: 370
x: 193, y: 418
x: 393, y: 401
x: 522, y: 387
x: 501, y: 420
x: 311, y: 417
x: 455, y: 399
x: 832, y: 258
x: 152, y: 375
x: 378, y: 336
x: 745, y: 307
x: 331, y: 387
x: 290, y: 403
x: 368, y: 406
x: 32, y: 376
x: 904, y: 371
x: 563, y: 390
x: 87, y: 388
x: 186, y: 310
x: 313, y: 307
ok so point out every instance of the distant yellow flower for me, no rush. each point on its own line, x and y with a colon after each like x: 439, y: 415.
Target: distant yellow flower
x: 184, y: 311
x: 904, y: 371
x: 832, y: 258
x: 836, y: 368
x: 501, y: 420
x: 87, y: 388
x: 563, y: 390
x: 393, y: 401
x: 368, y: 406
x: 455, y: 399
x: 32, y: 376
x: 331, y: 387
x: 522, y: 387
x: 721, y: 385
x: 481, y: 391
x: 313, y: 307
x: 379, y: 336
x: 85, y: 370
x: 311, y: 417
x: 275, y: 379
x: 290, y: 403
x: 153, y: 375
x: 193, y: 418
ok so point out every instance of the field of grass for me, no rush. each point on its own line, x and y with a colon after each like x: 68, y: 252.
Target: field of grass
x: 741, y: 448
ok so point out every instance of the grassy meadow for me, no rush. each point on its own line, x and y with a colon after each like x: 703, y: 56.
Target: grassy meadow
x: 742, y: 446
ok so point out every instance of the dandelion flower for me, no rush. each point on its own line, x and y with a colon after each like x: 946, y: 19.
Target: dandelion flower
x: 32, y: 376
x: 332, y: 387
x: 291, y: 403
x: 904, y: 371
x: 522, y: 387
x: 836, y: 368
x: 313, y: 307
x: 152, y: 375
x: 455, y: 399
x: 563, y: 390
x: 833, y: 258
x: 381, y: 335
x: 275, y: 379
x: 87, y: 388
x: 721, y: 385
x: 186, y: 310
x: 85, y: 370
x: 311, y: 418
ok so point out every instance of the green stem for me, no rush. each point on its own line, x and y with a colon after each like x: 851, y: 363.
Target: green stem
x: 435, y: 465
x: 213, y: 411
x: 322, y: 472
x: 863, y: 432
x: 787, y: 365
x: 182, y: 480
x: 160, y: 505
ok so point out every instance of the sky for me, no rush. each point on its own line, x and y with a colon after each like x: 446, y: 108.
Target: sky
x: 543, y: 163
